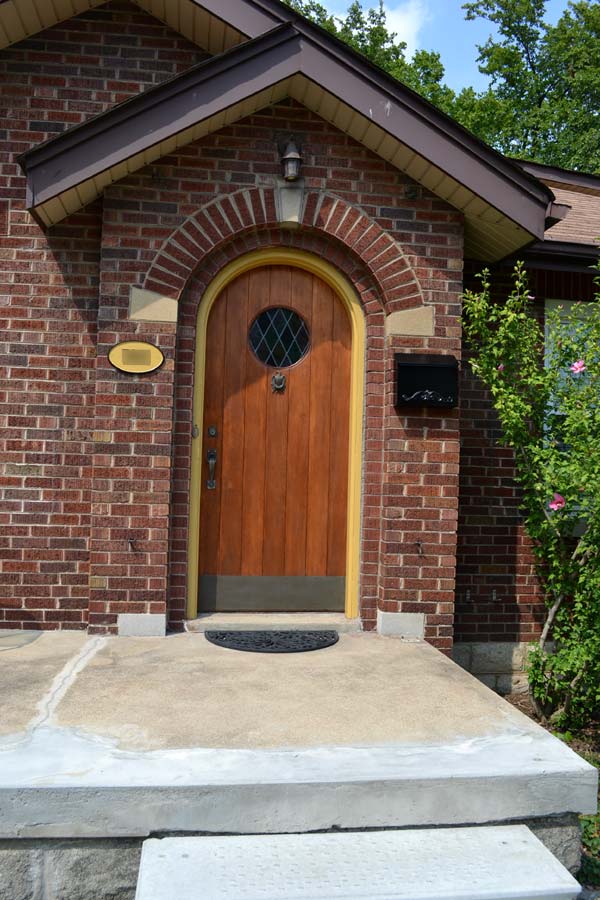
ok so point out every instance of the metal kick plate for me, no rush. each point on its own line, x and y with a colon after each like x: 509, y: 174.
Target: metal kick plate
x: 272, y: 593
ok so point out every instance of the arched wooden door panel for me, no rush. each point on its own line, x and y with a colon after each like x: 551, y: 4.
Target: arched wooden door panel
x: 274, y: 489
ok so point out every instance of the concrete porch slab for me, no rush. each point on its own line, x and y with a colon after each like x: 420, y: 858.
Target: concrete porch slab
x: 29, y: 663
x: 144, y: 735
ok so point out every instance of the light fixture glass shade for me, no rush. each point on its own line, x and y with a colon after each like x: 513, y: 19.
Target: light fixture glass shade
x: 291, y: 161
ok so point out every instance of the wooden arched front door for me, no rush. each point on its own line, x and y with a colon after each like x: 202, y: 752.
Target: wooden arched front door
x: 275, y: 445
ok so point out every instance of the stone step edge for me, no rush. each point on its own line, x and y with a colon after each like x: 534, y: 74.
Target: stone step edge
x: 469, y: 863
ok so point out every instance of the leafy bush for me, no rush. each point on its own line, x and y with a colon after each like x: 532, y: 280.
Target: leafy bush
x: 547, y: 397
x: 590, y: 863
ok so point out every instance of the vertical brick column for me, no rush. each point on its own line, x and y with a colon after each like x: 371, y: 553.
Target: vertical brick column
x: 422, y: 447
x: 131, y: 462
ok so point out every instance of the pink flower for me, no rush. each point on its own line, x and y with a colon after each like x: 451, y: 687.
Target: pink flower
x: 500, y: 367
x: 578, y: 367
x: 557, y: 502
x: 530, y: 297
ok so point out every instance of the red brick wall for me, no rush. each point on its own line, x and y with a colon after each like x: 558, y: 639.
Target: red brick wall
x: 497, y: 594
x: 49, y: 297
x: 93, y: 471
x: 411, y: 462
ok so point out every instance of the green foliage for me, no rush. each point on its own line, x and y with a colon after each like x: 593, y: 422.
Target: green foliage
x: 590, y: 864
x: 366, y: 31
x: 545, y: 82
x: 550, y: 417
x: 589, y: 873
x: 543, y: 101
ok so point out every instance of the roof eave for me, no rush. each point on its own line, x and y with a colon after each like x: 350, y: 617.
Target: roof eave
x: 68, y: 159
x: 175, y: 106
x: 257, y: 12
x: 562, y: 256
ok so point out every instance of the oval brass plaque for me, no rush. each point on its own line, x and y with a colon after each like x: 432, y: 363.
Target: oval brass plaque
x: 136, y: 357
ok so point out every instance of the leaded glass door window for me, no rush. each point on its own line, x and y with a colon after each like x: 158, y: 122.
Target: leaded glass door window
x: 279, y: 337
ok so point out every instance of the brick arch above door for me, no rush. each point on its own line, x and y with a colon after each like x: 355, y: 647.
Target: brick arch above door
x: 215, y: 225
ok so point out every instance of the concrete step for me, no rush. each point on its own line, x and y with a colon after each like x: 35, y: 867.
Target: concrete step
x: 273, y: 622
x: 485, y: 863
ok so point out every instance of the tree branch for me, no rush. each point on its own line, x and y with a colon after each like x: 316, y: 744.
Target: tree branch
x: 550, y: 621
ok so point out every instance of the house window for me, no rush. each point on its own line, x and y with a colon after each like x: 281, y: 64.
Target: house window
x: 569, y: 313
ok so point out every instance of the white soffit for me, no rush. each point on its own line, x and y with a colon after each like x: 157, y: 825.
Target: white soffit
x: 20, y: 19
x: 56, y: 209
x: 488, y: 233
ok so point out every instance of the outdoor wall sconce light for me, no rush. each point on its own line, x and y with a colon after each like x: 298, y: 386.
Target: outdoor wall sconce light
x: 426, y: 380
x: 291, y: 160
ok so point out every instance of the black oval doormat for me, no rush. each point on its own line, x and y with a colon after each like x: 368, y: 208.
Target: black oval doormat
x: 273, y: 641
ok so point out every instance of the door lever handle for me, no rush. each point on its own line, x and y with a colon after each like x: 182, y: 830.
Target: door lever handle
x: 211, y: 456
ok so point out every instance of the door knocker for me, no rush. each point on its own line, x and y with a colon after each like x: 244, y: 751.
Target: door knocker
x: 278, y: 383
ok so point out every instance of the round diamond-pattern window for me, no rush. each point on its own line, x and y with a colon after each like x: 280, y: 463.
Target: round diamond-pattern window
x: 279, y: 337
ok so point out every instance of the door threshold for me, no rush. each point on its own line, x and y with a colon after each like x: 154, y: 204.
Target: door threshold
x: 268, y: 621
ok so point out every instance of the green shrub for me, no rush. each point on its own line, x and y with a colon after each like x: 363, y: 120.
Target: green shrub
x: 547, y: 397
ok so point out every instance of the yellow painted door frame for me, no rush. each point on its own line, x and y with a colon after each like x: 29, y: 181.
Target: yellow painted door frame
x: 317, y: 266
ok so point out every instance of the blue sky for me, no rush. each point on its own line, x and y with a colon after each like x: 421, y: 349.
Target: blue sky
x: 440, y: 25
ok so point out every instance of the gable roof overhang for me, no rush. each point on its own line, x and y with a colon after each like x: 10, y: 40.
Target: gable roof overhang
x: 216, y: 26
x: 563, y: 256
x: 20, y: 19
x: 582, y: 181
x: 505, y: 208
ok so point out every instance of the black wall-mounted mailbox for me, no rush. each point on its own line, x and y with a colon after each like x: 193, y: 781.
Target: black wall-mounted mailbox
x: 426, y: 380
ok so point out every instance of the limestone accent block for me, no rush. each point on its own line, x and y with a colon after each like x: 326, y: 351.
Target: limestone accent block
x: 141, y: 624
x: 417, y: 321
x: 499, y: 665
x: 289, y: 201
x: 465, y: 863
x: 410, y: 626
x: 22, y: 469
x: 98, y: 581
x: 497, y: 658
x: 491, y: 657
x: 148, y: 306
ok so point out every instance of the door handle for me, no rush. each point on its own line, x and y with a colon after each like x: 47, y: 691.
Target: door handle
x: 211, y: 456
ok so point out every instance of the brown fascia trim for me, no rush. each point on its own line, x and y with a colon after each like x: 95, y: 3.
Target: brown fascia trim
x: 564, y: 176
x: 157, y: 114
x: 558, y: 256
x: 557, y: 213
x: 249, y: 18
x: 249, y: 15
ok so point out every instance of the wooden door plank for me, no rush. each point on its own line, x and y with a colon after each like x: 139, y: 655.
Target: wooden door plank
x: 319, y: 430
x: 231, y: 466
x: 277, y: 443
x: 298, y: 426
x: 280, y: 505
x: 339, y: 441
x: 210, y: 503
x: 253, y: 513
